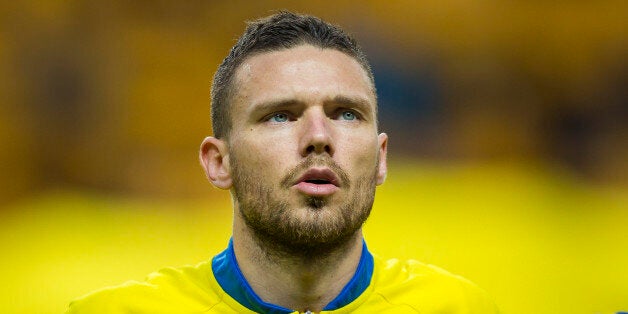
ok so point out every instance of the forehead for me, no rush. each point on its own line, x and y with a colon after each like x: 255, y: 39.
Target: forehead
x: 303, y: 73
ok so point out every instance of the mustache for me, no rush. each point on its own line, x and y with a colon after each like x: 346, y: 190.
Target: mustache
x: 315, y: 161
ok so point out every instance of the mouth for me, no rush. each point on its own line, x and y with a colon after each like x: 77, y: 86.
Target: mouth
x: 318, y: 182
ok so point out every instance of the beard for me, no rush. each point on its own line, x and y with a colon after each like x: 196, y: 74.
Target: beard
x: 315, y: 226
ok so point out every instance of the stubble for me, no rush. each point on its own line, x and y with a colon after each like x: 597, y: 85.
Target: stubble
x: 319, y: 226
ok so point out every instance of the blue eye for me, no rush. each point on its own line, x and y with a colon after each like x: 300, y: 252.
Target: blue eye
x: 279, y: 117
x: 348, y: 115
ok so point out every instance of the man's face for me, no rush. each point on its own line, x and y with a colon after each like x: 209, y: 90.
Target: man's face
x: 304, y: 151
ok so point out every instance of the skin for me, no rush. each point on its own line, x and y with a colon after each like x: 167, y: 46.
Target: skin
x: 290, y: 106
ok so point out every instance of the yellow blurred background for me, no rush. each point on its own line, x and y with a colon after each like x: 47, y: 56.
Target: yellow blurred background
x: 508, y: 123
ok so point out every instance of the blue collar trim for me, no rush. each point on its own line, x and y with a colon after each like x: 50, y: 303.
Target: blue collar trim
x: 230, y: 278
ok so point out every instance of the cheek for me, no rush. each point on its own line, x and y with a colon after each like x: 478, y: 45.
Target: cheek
x: 359, y: 154
x: 259, y: 154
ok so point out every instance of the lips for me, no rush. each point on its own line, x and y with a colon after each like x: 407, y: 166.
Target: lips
x: 318, y: 182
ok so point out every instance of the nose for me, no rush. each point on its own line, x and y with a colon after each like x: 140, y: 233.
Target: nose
x: 316, y: 137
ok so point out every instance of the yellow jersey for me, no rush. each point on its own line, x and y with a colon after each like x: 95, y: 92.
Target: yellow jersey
x: 217, y: 286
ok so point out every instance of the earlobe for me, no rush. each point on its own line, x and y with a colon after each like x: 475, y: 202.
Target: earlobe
x: 382, y: 139
x: 214, y: 158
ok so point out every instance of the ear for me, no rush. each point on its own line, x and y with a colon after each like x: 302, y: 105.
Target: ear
x: 382, y: 140
x: 214, y: 157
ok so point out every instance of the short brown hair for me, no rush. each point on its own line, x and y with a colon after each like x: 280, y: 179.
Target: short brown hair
x: 279, y: 31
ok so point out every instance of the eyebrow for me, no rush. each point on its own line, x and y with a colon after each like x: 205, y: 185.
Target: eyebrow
x: 272, y: 105
x: 358, y: 102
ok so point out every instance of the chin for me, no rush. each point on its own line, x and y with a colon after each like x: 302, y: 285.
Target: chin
x: 315, y: 202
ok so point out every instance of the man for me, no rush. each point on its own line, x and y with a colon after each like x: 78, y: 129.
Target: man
x: 294, y: 115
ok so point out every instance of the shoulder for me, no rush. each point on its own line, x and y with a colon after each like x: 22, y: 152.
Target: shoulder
x: 428, y: 289
x: 168, y: 290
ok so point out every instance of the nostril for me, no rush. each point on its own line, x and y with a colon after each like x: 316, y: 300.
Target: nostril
x: 318, y: 149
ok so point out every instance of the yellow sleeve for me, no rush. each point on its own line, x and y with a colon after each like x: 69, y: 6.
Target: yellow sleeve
x: 427, y: 289
x: 171, y: 290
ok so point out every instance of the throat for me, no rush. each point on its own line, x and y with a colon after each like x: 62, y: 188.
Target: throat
x: 297, y: 282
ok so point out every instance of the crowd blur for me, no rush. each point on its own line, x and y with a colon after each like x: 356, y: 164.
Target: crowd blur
x: 114, y: 95
x: 508, y: 155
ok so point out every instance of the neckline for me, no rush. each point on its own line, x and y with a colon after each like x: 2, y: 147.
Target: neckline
x: 231, y: 280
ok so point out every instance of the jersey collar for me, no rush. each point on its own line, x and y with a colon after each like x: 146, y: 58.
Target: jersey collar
x: 228, y: 274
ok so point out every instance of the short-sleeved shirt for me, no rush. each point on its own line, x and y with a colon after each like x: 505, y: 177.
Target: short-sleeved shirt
x: 218, y: 286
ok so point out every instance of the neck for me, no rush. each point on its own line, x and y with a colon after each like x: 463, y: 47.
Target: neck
x: 298, y: 282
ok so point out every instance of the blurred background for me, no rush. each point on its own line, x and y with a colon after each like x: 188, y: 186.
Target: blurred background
x: 508, y: 125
